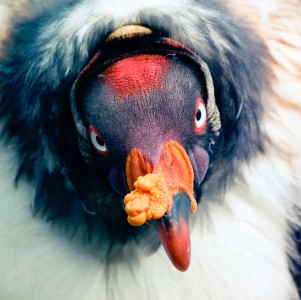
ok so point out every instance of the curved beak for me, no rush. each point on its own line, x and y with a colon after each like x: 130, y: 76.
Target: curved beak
x: 174, y: 232
x: 163, y: 195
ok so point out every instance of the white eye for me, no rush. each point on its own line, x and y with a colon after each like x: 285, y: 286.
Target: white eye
x: 98, y: 141
x: 200, y: 116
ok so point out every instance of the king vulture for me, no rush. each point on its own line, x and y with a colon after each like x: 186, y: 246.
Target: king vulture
x: 150, y: 149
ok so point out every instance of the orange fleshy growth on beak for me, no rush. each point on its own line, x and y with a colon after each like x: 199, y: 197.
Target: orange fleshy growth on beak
x: 153, y: 188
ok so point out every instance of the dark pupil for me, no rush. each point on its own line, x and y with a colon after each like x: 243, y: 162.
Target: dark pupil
x: 100, y: 141
x: 198, y: 115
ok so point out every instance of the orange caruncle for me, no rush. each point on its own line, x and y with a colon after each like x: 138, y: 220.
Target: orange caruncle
x: 151, y: 199
x: 153, y: 188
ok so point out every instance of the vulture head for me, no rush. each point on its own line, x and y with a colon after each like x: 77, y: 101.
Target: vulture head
x: 145, y: 117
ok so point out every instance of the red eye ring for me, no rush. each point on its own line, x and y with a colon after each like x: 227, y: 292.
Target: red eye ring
x: 200, y: 116
x: 98, y: 141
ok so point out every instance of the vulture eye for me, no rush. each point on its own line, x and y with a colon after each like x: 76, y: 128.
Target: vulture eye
x: 98, y: 141
x: 200, y: 116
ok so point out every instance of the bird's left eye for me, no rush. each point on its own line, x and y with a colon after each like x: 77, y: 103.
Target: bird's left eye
x: 200, y: 116
x: 98, y: 141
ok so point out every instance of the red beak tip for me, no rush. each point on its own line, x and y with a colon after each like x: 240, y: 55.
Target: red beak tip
x: 177, y: 246
x: 182, y: 265
x: 174, y: 232
x: 179, y: 256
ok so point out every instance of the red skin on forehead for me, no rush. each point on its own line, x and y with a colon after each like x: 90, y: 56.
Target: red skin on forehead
x: 137, y: 74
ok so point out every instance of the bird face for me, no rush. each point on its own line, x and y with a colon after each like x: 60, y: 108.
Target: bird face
x: 147, y: 130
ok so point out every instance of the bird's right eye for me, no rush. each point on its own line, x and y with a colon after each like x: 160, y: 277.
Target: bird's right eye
x: 98, y: 141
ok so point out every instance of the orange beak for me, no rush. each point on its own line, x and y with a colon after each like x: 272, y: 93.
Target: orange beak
x: 163, y: 195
